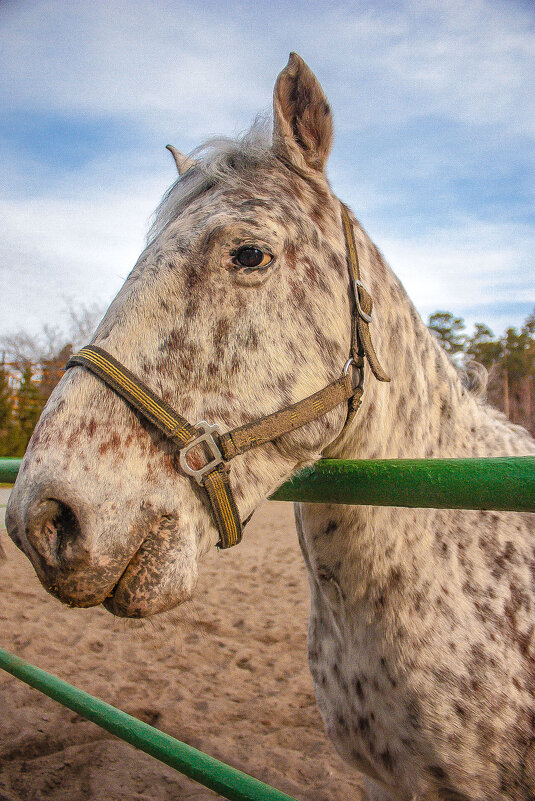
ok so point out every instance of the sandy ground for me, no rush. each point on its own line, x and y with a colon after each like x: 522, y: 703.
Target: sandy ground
x: 226, y: 673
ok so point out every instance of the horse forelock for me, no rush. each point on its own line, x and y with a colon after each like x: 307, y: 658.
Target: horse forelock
x: 219, y: 160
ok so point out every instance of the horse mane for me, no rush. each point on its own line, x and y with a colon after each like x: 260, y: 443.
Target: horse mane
x: 220, y: 160
x: 475, y: 377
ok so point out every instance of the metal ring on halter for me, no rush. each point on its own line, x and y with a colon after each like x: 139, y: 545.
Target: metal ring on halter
x: 347, y: 365
x: 360, y: 310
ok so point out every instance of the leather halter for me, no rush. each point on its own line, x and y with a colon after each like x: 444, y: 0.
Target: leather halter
x: 222, y: 447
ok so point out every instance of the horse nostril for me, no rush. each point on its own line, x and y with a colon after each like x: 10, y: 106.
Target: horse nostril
x: 52, y: 529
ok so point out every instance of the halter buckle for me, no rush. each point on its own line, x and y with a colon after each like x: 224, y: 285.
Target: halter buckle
x: 208, y: 439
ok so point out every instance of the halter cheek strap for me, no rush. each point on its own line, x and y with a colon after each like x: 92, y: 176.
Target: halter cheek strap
x: 217, y: 449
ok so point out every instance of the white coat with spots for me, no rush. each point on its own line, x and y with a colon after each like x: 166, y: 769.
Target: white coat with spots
x: 422, y: 621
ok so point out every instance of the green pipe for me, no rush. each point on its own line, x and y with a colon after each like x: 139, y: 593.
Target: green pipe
x: 8, y: 470
x: 227, y: 781
x: 505, y: 483
x: 502, y: 483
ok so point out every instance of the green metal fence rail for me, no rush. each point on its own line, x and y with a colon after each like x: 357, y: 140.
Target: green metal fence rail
x: 223, y: 779
x: 505, y: 483
x: 9, y: 469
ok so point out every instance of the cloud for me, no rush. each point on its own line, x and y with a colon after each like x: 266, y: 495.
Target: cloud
x: 156, y: 62
x: 169, y: 63
x: 480, y: 270
x: 433, y: 118
x: 470, y: 62
x: 78, y: 245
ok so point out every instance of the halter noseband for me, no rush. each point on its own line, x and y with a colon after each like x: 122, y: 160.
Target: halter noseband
x: 222, y: 447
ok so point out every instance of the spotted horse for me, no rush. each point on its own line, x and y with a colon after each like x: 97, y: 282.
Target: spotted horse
x: 243, y: 310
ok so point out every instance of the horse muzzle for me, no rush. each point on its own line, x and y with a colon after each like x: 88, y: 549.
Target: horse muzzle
x: 134, y: 570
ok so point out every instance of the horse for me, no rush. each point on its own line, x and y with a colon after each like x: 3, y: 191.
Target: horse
x: 250, y: 310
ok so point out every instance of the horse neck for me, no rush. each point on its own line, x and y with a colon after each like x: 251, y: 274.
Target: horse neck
x: 425, y: 411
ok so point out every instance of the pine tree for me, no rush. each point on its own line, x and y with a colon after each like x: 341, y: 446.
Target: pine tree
x: 483, y: 347
x: 447, y: 329
x: 518, y: 356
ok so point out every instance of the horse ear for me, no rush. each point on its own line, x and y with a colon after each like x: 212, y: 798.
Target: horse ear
x: 302, y: 119
x: 183, y: 163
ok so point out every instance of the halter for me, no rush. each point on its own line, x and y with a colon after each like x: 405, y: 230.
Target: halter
x: 213, y: 476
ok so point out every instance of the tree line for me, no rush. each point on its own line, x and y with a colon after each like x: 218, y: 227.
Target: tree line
x: 31, y: 366
x: 509, y: 360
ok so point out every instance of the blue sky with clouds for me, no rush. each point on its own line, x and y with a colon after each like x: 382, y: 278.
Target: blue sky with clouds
x: 434, y: 115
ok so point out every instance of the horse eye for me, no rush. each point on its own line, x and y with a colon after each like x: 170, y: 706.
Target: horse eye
x: 249, y: 256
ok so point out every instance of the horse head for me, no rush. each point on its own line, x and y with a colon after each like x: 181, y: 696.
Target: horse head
x: 239, y: 306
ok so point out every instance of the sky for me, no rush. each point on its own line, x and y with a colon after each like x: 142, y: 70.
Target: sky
x: 434, y: 112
